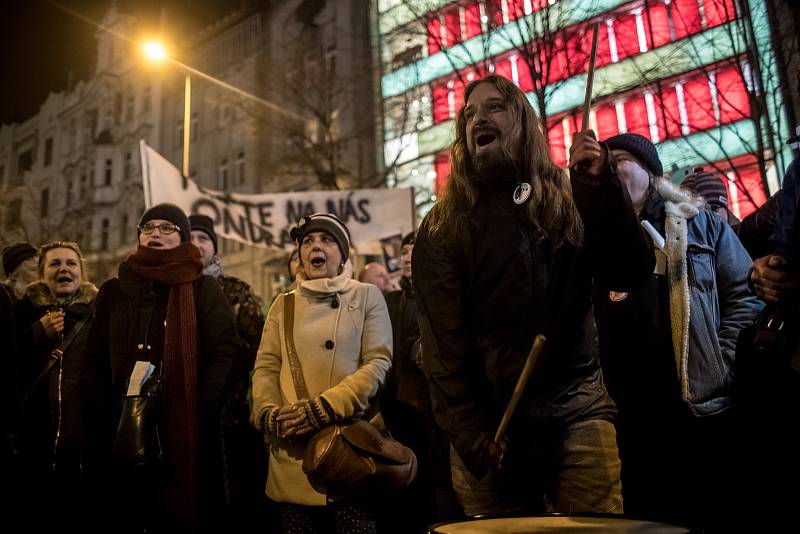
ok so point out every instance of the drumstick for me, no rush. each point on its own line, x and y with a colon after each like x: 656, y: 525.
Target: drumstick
x: 587, y: 99
x: 522, y: 381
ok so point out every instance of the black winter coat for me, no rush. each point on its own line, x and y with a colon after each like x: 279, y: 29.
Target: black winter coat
x: 48, y: 410
x: 482, y: 302
x: 129, y: 326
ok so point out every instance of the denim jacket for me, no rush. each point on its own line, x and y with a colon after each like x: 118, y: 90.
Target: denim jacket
x: 710, y: 301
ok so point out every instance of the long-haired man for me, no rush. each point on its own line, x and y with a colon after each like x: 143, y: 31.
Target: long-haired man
x: 510, y: 251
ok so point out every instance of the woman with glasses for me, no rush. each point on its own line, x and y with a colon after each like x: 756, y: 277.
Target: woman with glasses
x: 342, y: 338
x: 53, y: 318
x: 162, y: 310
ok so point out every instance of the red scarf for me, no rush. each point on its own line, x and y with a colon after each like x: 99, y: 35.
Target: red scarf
x: 178, y: 268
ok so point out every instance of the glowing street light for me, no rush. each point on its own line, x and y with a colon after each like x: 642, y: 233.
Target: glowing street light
x: 154, y: 51
x: 157, y: 53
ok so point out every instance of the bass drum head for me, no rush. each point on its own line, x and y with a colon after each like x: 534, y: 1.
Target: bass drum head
x: 557, y: 524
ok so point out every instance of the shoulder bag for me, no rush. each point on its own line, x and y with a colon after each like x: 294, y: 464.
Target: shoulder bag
x: 348, y: 458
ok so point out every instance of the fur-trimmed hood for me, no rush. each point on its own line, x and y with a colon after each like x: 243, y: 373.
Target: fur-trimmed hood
x: 40, y: 296
x: 679, y: 202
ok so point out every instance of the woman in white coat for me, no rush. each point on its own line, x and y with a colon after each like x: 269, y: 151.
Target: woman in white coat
x: 343, y: 341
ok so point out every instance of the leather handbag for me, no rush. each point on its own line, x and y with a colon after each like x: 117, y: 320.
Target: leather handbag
x: 349, y: 458
x: 137, y: 440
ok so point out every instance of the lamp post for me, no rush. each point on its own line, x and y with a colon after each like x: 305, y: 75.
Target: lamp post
x: 156, y: 53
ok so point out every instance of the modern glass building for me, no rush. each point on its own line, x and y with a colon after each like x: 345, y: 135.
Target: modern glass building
x: 697, y: 77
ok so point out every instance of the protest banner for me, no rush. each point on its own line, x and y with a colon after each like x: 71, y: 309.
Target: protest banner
x: 264, y: 220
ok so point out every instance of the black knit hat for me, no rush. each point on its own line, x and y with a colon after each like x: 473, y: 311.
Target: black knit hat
x: 324, y: 222
x: 640, y: 147
x: 204, y: 223
x: 15, y: 254
x: 709, y: 186
x: 171, y: 213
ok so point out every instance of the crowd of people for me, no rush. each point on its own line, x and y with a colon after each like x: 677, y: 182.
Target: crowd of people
x: 667, y: 389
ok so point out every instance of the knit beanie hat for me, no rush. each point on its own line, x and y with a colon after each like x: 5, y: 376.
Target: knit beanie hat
x: 640, y: 147
x: 171, y: 213
x: 709, y: 186
x: 324, y: 222
x: 204, y: 223
x: 15, y: 254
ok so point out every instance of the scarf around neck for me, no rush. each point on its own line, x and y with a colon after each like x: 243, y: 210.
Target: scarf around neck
x: 178, y: 268
x: 322, y: 287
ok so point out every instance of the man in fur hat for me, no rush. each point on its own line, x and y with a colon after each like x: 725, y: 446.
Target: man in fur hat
x: 667, y: 349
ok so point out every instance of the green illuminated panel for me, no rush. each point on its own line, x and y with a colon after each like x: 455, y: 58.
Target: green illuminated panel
x: 732, y: 140
x: 699, y: 50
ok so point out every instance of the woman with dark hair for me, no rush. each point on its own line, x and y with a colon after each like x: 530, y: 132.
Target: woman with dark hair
x: 53, y: 318
x: 340, y: 332
x: 162, y: 310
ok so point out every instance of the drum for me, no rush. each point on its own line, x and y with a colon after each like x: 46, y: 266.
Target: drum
x: 556, y: 523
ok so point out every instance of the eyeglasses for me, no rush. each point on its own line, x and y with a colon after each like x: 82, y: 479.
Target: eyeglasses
x: 163, y: 228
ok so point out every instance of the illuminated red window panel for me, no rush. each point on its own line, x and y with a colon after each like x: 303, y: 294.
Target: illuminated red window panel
x: 697, y: 98
x: 555, y: 136
x: 524, y: 73
x: 749, y: 188
x: 718, y: 12
x: 734, y: 104
x: 515, y: 8
x: 603, y: 49
x: 606, y: 121
x: 636, y: 116
x: 494, y: 10
x: 626, y: 36
x: 668, y: 116
x: 577, y: 54
x: 452, y: 24
x: 554, y: 63
x: 472, y: 20
x: 536, y: 5
x: 502, y: 67
x: 656, y: 25
x: 441, y: 165
x: 434, y: 35
x: 441, y: 110
x: 685, y: 17
x: 458, y: 94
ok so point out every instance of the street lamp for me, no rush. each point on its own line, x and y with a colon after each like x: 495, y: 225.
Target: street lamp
x: 157, y: 53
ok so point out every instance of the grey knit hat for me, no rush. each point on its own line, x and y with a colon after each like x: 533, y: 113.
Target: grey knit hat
x: 323, y: 222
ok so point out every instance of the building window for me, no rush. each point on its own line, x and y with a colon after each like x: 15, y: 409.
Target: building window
x: 48, y: 152
x: 14, y: 214
x: 44, y: 202
x: 69, y: 191
x: 2, y: 174
x: 128, y: 165
x: 193, y: 127
x: 24, y: 164
x: 147, y: 99
x: 123, y: 229
x: 82, y: 190
x: 238, y: 169
x: 130, y: 108
x: 222, y: 176
x: 104, y: 235
x: 109, y: 172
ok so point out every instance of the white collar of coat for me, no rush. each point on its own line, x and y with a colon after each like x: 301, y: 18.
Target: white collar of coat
x: 320, y: 287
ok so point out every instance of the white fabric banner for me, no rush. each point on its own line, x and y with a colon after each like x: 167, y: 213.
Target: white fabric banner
x: 265, y: 220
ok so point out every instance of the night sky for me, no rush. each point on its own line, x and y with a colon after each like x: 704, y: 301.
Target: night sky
x: 41, y: 43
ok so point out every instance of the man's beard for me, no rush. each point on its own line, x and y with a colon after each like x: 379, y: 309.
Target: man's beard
x: 493, y: 167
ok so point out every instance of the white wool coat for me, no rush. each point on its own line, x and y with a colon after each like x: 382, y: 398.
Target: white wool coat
x: 348, y: 376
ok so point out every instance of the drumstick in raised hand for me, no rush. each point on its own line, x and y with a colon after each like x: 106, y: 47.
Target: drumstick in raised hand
x: 522, y: 381
x: 587, y: 99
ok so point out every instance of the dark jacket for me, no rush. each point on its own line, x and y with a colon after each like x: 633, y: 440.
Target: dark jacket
x: 406, y: 382
x: 482, y: 302
x: 129, y: 326
x: 48, y: 410
x: 787, y: 226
